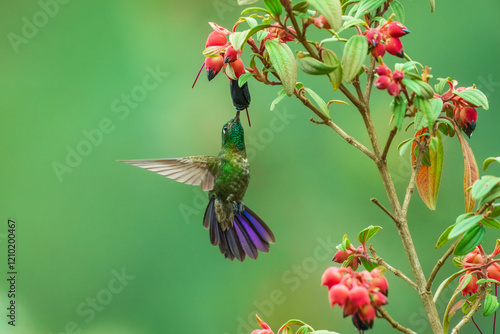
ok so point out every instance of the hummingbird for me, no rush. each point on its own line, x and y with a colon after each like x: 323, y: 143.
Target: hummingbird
x: 233, y: 226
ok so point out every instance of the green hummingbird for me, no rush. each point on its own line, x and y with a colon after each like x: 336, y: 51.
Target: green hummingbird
x: 236, y: 229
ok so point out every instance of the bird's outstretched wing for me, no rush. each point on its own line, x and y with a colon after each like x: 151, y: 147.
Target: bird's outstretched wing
x: 194, y: 170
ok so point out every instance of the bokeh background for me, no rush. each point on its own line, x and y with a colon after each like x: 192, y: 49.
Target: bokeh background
x: 101, y: 219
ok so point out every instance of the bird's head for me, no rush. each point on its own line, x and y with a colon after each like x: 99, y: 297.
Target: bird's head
x: 232, y: 133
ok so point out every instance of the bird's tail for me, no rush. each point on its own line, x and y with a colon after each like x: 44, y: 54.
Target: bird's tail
x: 248, y: 235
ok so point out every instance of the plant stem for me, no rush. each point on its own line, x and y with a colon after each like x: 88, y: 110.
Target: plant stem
x: 393, y: 270
x: 439, y: 264
x: 495, y: 316
x: 389, y: 142
x: 376, y: 202
x: 383, y: 313
x: 480, y: 296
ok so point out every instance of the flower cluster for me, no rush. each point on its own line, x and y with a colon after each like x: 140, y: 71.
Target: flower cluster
x: 357, y: 293
x: 386, y: 38
x: 389, y: 80
x: 475, y: 262
x: 219, y: 52
x: 464, y: 113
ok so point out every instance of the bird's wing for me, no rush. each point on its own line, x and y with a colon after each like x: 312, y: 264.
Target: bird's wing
x: 189, y: 170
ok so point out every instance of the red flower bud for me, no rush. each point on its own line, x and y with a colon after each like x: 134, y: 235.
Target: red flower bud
x: 367, y: 315
x: 238, y: 67
x: 216, y: 39
x: 494, y: 271
x: 331, y: 276
x: 358, y: 296
x: 213, y: 66
x: 468, y: 117
x: 382, y: 82
x: 379, y: 299
x: 383, y: 70
x: 380, y: 282
x: 397, y: 30
x: 471, y: 287
x: 398, y: 75
x: 373, y: 36
x: 473, y: 257
x: 378, y: 51
x: 394, y: 47
x: 338, y: 294
x: 231, y: 55
x: 322, y: 23
x: 393, y: 89
x: 341, y: 256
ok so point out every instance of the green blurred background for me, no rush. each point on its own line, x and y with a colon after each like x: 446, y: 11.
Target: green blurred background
x: 76, y: 233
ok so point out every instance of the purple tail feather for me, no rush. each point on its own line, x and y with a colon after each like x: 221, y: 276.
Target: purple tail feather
x: 248, y: 235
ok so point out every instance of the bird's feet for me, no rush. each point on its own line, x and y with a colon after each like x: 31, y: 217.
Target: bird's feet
x: 238, y: 207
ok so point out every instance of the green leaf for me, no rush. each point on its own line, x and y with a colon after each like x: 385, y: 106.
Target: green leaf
x: 491, y: 196
x: 354, y: 57
x: 255, y: 9
x: 403, y: 146
x: 246, y: 2
x: 398, y: 10
x: 347, y: 262
x: 490, y: 305
x: 368, y: 233
x: 427, y: 110
x: 331, y: 10
x: 446, y: 282
x: 368, y: 264
x: 437, y: 107
x: 475, y: 97
x: 313, y: 66
x: 345, y: 244
x: 352, y: 23
x: 284, y: 63
x: 464, y: 225
x: 331, y: 59
x: 244, y: 78
x: 440, y: 85
x: 444, y: 238
x: 366, y: 6
x: 457, y: 261
x: 483, y: 186
x: 471, y: 171
x: 466, y: 307
x: 319, y: 101
x: 470, y: 240
x: 274, y: 7
x: 281, y: 96
x: 301, y: 6
x: 489, y: 280
x: 399, y: 111
x: 488, y: 162
x: 212, y: 51
x: 496, y: 210
x: 420, y: 88
x: 252, y: 31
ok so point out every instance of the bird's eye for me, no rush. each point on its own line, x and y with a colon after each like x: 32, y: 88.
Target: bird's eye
x: 224, y: 129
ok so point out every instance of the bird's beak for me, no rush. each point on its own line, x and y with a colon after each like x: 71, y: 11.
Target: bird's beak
x: 237, y: 115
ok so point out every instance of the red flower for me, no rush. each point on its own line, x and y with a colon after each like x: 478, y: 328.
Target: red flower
x: 322, y: 23
x: 397, y: 29
x: 213, y: 66
x: 471, y: 287
x: 494, y: 271
x: 394, y: 47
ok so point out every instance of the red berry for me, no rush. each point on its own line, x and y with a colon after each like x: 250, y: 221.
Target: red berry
x: 230, y: 55
x: 216, y: 39
x: 338, y: 294
x: 331, y: 276
x: 393, y: 89
x: 322, y: 23
x: 471, y: 287
x: 394, y: 47
x: 378, y: 51
x: 383, y: 70
x: 373, y: 36
x: 382, y: 82
x: 494, y: 271
x: 358, y: 296
x: 213, y: 66
x: 397, y: 30
x: 238, y: 67
x: 398, y: 75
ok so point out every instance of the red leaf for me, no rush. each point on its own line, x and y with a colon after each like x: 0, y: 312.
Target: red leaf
x: 429, y: 177
x: 471, y: 172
